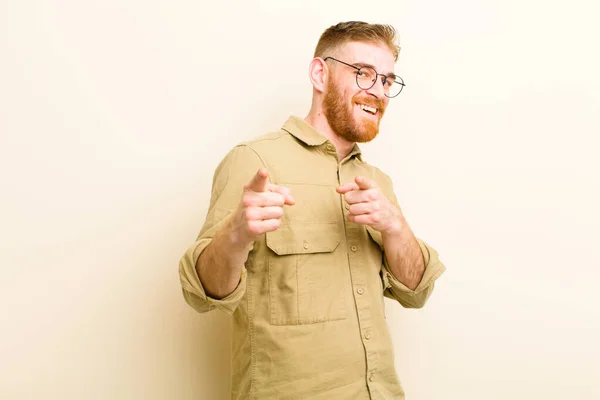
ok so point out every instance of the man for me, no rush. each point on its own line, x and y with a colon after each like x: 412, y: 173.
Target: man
x: 303, y: 239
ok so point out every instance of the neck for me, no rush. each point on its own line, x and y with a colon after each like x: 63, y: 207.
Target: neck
x: 316, y: 118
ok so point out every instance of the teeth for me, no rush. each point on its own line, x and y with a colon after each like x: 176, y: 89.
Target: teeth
x: 367, y: 108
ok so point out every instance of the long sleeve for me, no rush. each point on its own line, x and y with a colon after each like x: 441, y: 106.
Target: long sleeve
x: 235, y: 170
x: 434, y: 268
x: 416, y: 298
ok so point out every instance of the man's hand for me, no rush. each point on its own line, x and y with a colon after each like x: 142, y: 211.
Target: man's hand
x: 261, y: 208
x: 369, y: 206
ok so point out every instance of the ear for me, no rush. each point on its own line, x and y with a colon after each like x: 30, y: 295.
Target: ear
x: 318, y: 73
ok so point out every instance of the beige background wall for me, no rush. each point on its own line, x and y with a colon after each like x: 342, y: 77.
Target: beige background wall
x: 114, y: 114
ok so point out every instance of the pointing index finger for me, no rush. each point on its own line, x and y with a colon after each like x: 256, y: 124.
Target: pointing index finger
x: 364, y: 183
x: 348, y: 187
x: 259, y: 181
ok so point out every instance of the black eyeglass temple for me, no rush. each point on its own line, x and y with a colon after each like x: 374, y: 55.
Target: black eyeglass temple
x: 357, y: 68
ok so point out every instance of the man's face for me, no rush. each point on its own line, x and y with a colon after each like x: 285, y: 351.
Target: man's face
x: 344, y: 102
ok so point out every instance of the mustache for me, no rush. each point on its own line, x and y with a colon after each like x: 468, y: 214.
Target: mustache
x: 376, y: 103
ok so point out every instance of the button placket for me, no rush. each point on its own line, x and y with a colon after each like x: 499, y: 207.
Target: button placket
x: 357, y: 259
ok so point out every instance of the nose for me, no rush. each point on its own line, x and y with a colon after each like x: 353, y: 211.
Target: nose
x: 377, y: 89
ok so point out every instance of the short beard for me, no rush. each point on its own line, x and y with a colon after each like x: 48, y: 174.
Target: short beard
x: 340, y: 117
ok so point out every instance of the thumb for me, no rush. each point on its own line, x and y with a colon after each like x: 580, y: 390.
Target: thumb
x: 259, y: 181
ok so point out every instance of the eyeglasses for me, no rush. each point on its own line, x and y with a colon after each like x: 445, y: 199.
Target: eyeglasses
x: 366, y: 77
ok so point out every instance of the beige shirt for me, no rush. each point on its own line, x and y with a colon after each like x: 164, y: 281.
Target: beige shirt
x: 308, y: 313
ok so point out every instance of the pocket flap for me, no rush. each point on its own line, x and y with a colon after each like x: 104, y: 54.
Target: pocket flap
x: 304, y: 238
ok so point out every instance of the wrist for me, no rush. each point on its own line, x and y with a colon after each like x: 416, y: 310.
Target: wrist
x: 395, y: 227
x: 236, y: 237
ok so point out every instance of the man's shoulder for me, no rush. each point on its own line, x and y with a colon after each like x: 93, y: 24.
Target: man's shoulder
x: 268, y: 145
x: 264, y: 139
x: 260, y: 147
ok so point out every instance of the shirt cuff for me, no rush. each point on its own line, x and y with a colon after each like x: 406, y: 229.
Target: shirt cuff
x: 191, y: 284
x: 433, y: 269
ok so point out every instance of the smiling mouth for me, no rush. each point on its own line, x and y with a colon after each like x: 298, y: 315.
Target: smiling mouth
x: 368, y: 109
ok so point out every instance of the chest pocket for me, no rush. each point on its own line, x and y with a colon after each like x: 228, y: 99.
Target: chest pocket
x: 305, y: 274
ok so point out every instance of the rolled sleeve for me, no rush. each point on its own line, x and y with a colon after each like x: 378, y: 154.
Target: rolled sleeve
x: 194, y: 292
x: 235, y: 170
x: 418, y: 297
x: 395, y: 289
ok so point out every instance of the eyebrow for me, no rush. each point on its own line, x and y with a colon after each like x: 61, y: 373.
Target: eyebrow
x: 390, y: 75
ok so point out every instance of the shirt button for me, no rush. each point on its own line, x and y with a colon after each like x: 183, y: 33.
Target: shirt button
x: 367, y: 336
x: 305, y: 245
x: 347, y: 206
x: 371, y: 378
x: 330, y: 147
x: 360, y: 290
x: 353, y: 248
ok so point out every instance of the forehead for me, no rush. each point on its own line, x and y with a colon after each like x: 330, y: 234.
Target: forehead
x: 377, y: 55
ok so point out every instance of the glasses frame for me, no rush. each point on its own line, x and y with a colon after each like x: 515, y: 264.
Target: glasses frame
x: 397, y: 80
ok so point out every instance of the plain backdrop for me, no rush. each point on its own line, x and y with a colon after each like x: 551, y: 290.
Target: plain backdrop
x: 114, y: 114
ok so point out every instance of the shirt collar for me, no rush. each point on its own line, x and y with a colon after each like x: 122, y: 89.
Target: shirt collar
x: 304, y: 132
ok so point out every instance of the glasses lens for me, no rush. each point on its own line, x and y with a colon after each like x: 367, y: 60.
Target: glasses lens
x: 393, y: 88
x: 365, y: 77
